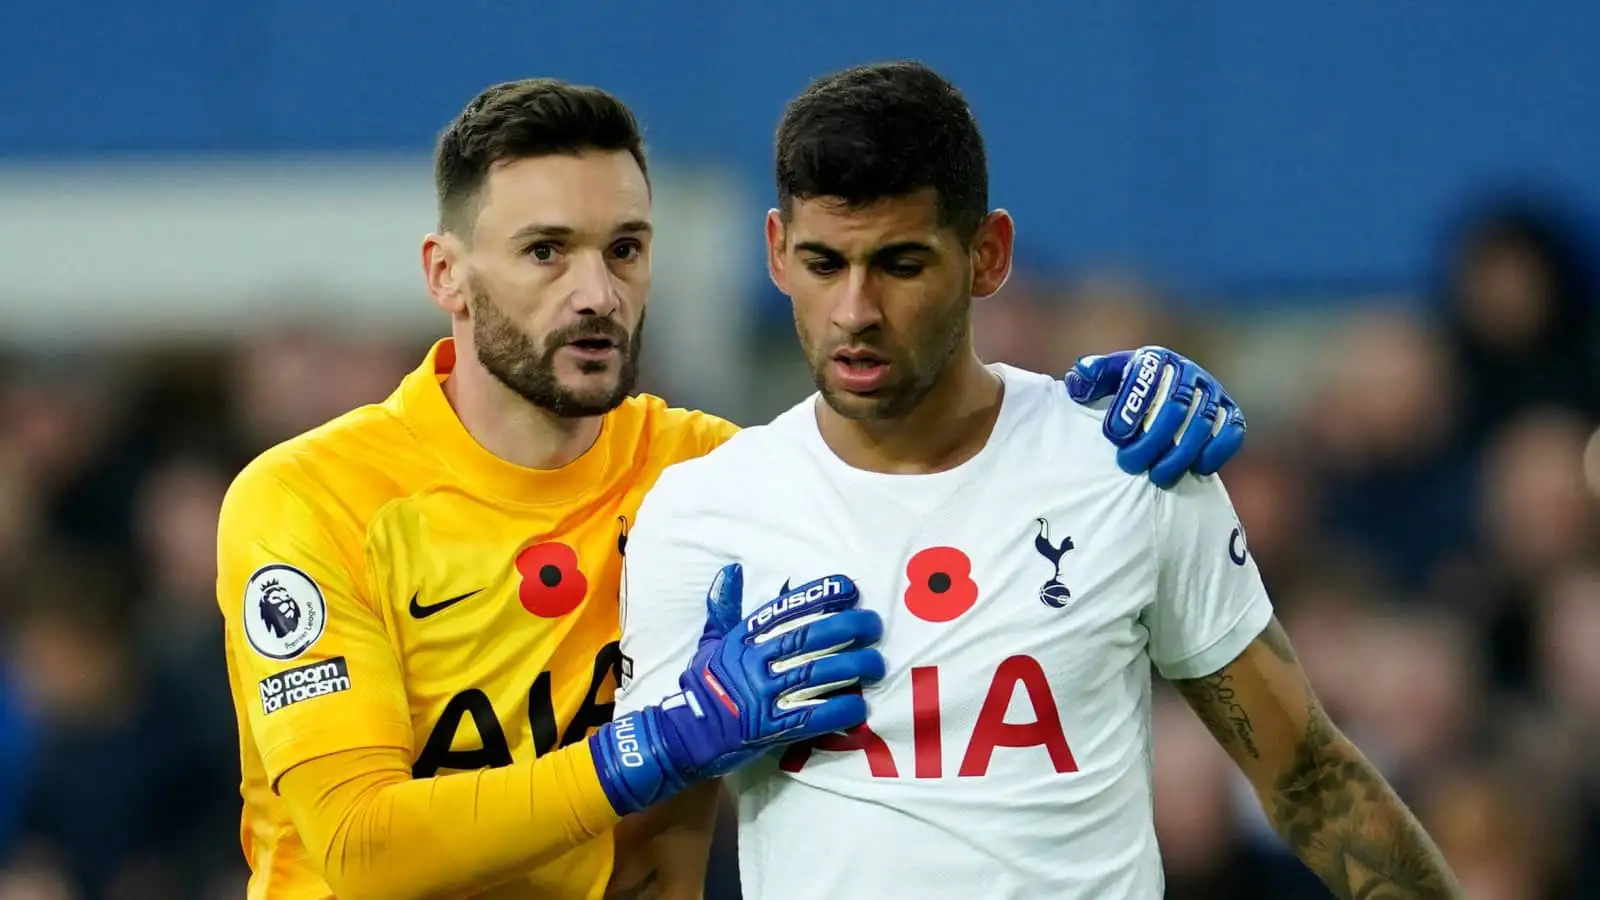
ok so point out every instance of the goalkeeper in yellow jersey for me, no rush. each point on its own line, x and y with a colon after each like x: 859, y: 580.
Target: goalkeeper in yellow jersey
x: 421, y: 597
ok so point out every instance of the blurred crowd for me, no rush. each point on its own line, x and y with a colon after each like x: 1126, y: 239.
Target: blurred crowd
x: 1419, y: 489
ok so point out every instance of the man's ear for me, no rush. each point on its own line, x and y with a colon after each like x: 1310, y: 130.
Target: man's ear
x: 445, y: 272
x: 991, y: 253
x: 777, y: 256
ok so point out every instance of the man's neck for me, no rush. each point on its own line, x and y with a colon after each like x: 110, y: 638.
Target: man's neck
x: 949, y: 426
x: 510, y: 427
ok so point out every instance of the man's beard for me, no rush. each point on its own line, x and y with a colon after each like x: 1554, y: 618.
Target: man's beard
x: 511, y: 356
x: 913, y: 372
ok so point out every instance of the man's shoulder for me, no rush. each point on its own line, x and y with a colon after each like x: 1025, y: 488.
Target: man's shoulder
x: 671, y: 434
x: 741, y: 460
x: 355, y: 463
x: 1047, y: 419
x: 1046, y: 399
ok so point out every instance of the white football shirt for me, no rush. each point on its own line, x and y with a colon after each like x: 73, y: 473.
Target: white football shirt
x: 1024, y: 594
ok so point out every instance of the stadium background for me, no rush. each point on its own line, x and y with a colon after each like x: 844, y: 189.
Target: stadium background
x: 1371, y: 219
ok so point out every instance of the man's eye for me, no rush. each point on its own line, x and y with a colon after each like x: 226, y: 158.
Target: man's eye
x: 543, y: 252
x: 627, y: 250
x: 909, y: 268
x: 822, y: 266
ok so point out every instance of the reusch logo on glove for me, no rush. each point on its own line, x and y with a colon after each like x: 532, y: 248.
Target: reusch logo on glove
x: 1139, y: 394
x: 800, y: 598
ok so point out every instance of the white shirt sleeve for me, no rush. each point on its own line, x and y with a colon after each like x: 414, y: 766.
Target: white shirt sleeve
x: 668, y: 567
x: 1210, y: 602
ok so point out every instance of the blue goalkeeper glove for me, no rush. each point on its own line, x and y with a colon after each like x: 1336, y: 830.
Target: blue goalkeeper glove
x: 1169, y: 416
x: 758, y: 681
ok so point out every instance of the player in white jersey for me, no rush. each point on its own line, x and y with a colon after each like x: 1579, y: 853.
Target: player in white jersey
x: 1025, y: 581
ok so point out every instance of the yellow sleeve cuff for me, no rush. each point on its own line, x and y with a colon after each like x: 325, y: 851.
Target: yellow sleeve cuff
x: 592, y: 813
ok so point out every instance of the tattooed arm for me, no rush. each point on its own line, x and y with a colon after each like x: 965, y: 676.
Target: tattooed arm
x: 1326, y: 801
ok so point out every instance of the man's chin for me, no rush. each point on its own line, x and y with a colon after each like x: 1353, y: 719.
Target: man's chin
x: 573, y: 400
x: 852, y: 405
x: 892, y: 400
x: 580, y: 404
x: 589, y: 394
x: 569, y: 406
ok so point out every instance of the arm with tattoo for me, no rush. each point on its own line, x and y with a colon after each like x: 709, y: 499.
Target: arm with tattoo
x: 1325, y: 799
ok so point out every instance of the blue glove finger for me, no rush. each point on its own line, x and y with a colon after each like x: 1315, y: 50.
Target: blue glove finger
x: 1151, y: 374
x: 724, y: 602
x: 740, y: 672
x: 1137, y: 456
x: 1225, y: 444
x: 840, y: 712
x: 1170, y: 468
x: 831, y: 674
x: 1096, y: 377
x: 852, y: 627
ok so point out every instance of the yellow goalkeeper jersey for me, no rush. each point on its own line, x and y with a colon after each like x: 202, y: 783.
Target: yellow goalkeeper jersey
x: 386, y: 582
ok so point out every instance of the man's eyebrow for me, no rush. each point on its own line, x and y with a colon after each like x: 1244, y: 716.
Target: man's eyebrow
x: 547, y: 231
x: 542, y: 230
x: 888, y: 250
x: 901, y: 247
x: 818, y: 248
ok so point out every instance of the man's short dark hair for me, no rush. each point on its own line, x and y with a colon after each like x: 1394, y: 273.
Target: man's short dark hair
x: 884, y: 130
x: 521, y: 119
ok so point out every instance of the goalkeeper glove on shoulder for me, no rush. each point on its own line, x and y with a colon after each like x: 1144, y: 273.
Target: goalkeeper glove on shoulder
x: 1169, y: 417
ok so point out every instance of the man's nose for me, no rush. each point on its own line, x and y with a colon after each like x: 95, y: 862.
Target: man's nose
x: 856, y: 307
x: 593, y: 290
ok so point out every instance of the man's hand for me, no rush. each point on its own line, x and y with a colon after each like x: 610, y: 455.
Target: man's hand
x: 1169, y: 417
x: 770, y: 678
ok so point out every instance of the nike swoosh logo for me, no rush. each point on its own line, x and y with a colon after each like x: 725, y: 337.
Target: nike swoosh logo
x: 418, y: 611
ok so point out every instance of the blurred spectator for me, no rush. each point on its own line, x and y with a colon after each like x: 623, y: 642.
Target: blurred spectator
x: 1015, y: 325
x: 1046, y: 324
x: 1537, y: 511
x: 1567, y: 631
x: 66, y: 418
x: 35, y: 881
x: 296, y: 379
x: 1420, y: 694
x: 1520, y: 309
x: 1501, y: 833
x: 92, y: 802
x: 1536, y: 517
x: 22, y: 519
x: 1394, y: 489
x: 179, y: 635
x: 1325, y: 616
x: 177, y: 509
x: 1193, y: 810
x: 16, y: 758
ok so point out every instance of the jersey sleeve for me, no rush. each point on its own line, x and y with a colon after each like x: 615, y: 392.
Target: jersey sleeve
x: 1210, y: 602
x: 712, y: 432
x: 669, y: 566
x: 378, y: 832
x: 312, y: 665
